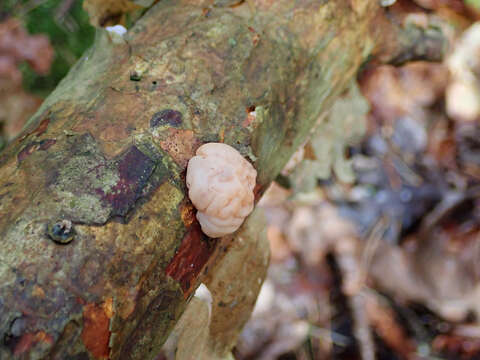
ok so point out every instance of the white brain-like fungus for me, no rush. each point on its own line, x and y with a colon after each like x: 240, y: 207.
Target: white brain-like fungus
x: 220, y: 185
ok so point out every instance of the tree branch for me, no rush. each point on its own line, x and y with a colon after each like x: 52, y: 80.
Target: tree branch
x: 100, y: 246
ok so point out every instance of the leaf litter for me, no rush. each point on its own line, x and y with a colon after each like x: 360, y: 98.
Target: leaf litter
x: 381, y: 259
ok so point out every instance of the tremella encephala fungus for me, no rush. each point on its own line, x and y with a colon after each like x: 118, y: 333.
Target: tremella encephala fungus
x: 220, y: 185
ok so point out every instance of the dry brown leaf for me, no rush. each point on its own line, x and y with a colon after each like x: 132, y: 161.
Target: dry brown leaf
x: 15, y: 109
x: 397, y: 92
x: 460, y: 347
x: 278, y: 245
x: 383, y: 319
x: 17, y: 46
x: 344, y: 125
x: 433, y: 274
x: 455, y: 5
x: 463, y: 93
x: 109, y: 12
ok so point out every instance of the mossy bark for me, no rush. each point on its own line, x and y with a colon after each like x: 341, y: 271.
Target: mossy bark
x: 100, y: 247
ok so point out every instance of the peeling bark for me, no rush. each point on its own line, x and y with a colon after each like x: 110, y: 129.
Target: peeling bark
x: 107, y: 151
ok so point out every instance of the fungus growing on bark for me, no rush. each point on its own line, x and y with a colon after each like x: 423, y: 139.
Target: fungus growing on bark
x: 220, y: 185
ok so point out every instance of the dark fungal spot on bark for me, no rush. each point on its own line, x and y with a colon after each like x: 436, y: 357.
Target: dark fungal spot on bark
x: 166, y: 117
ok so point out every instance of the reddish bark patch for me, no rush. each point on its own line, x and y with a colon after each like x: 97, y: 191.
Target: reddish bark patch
x: 34, y: 146
x: 42, y: 127
x: 194, y: 252
x: 180, y: 145
x: 28, y: 340
x: 95, y: 333
x: 258, y: 191
x: 135, y: 168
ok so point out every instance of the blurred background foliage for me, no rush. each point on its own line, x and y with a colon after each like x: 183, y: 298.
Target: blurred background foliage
x: 474, y: 3
x: 68, y: 28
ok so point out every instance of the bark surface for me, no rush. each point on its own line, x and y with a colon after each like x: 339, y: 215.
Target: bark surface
x: 100, y: 247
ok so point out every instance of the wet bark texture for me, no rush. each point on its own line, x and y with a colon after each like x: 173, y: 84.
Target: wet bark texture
x: 100, y: 247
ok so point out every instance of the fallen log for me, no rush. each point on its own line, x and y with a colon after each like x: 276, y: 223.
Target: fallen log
x: 101, y: 250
